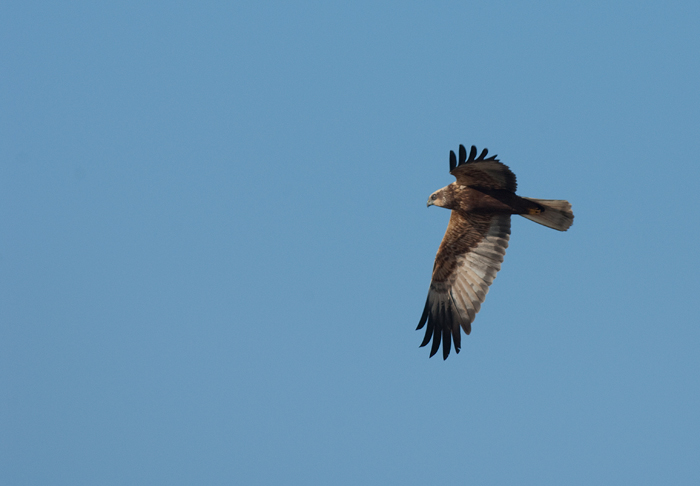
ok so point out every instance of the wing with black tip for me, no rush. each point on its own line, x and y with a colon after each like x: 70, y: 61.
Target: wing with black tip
x: 469, y: 257
x: 481, y: 172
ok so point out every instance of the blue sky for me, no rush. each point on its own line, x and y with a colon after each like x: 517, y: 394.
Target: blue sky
x: 215, y: 245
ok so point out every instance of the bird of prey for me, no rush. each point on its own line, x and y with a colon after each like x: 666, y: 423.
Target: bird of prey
x: 482, y: 200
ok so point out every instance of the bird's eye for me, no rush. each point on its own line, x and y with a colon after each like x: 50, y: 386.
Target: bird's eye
x: 433, y: 197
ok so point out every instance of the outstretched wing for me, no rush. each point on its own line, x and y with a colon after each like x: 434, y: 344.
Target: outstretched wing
x: 467, y: 261
x: 481, y: 172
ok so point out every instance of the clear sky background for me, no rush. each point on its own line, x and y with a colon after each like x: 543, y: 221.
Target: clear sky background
x: 214, y: 245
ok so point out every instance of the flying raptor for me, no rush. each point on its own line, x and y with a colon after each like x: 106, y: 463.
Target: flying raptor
x: 482, y: 200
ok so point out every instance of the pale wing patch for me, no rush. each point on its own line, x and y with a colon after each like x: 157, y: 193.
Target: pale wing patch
x: 478, y: 268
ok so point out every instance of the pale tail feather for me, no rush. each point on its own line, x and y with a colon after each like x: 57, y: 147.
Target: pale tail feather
x: 557, y: 214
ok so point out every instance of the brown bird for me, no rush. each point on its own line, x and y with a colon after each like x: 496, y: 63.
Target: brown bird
x: 482, y: 200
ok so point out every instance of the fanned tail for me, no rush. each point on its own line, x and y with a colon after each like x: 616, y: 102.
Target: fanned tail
x: 557, y: 213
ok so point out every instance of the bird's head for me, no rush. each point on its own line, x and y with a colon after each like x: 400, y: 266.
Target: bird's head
x: 442, y: 197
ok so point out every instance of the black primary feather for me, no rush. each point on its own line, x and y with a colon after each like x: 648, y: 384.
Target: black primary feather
x: 483, y: 154
x: 428, y: 334
x: 447, y: 331
x: 437, y: 333
x: 457, y: 338
x: 456, y: 334
x: 426, y: 312
x: 462, y: 154
x: 446, y: 343
x: 472, y: 154
x: 426, y: 318
x: 453, y: 161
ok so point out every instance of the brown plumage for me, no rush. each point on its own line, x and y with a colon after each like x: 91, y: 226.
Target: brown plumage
x: 482, y: 200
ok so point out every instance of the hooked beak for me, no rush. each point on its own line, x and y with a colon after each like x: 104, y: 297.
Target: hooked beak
x: 430, y: 203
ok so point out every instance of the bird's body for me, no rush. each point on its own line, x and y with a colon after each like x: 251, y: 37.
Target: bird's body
x: 482, y: 200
